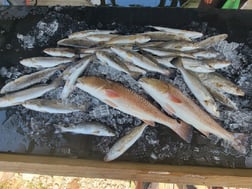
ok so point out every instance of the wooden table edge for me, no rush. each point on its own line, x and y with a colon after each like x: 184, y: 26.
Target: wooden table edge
x: 64, y: 166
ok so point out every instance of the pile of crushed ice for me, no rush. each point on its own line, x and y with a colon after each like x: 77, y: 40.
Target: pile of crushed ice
x: 157, y: 144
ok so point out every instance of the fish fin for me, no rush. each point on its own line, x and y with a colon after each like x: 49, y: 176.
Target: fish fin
x: 240, y: 141
x: 174, y: 99
x: 169, y: 109
x: 111, y: 93
x: 184, y: 130
x: 205, y: 133
x: 148, y: 122
x: 112, y: 104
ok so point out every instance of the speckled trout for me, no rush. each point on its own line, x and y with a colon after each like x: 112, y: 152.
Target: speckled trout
x: 52, y: 106
x: 180, y: 32
x: 197, y: 88
x: 45, y: 62
x: 62, y: 52
x: 75, y: 72
x: 139, y: 60
x: 124, y: 143
x: 86, y: 128
x: 126, y: 39
x: 129, y: 102
x: 216, y: 80
x: 85, y: 33
x: 27, y: 94
x: 30, y: 79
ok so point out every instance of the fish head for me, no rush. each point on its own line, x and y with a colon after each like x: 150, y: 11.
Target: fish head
x: 99, y: 88
x: 211, y: 106
x: 142, y: 39
x: 151, y: 83
x: 91, y: 82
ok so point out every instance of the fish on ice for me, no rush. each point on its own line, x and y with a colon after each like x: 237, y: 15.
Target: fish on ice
x: 45, y: 62
x: 86, y: 128
x: 173, y: 100
x: 52, y: 106
x: 140, y: 60
x: 129, y: 102
x: 197, y: 88
x: 20, y: 97
x: 124, y: 143
x: 30, y: 79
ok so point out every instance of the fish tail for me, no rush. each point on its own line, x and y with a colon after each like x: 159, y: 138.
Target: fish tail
x: 204, y: 43
x: 239, y: 142
x: 184, y: 130
x: 212, y: 40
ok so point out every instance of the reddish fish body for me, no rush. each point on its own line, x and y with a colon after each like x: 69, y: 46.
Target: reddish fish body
x: 129, y: 102
x: 175, y: 102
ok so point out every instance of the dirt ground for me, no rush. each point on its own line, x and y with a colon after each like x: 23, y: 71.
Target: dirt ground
x: 11, y: 180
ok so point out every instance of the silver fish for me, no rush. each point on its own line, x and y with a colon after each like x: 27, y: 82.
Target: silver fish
x: 62, y: 52
x: 222, y: 98
x: 180, y: 46
x: 75, y: 72
x: 128, y: 39
x: 151, y: 44
x: 164, y: 52
x: 124, y: 143
x: 165, y: 61
x: 198, y: 89
x: 205, y: 54
x: 76, y: 42
x: 164, y: 36
x: 45, y: 62
x: 86, y: 128
x: 196, y: 65
x: 173, y: 100
x: 185, y: 33
x: 211, y: 41
x: 27, y: 94
x: 101, y: 37
x: 51, y: 106
x: 93, y: 50
x: 28, y: 80
x: 112, y: 61
x: 215, y: 80
x: 85, y: 33
x: 217, y: 64
x: 139, y: 60
x: 134, y: 68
